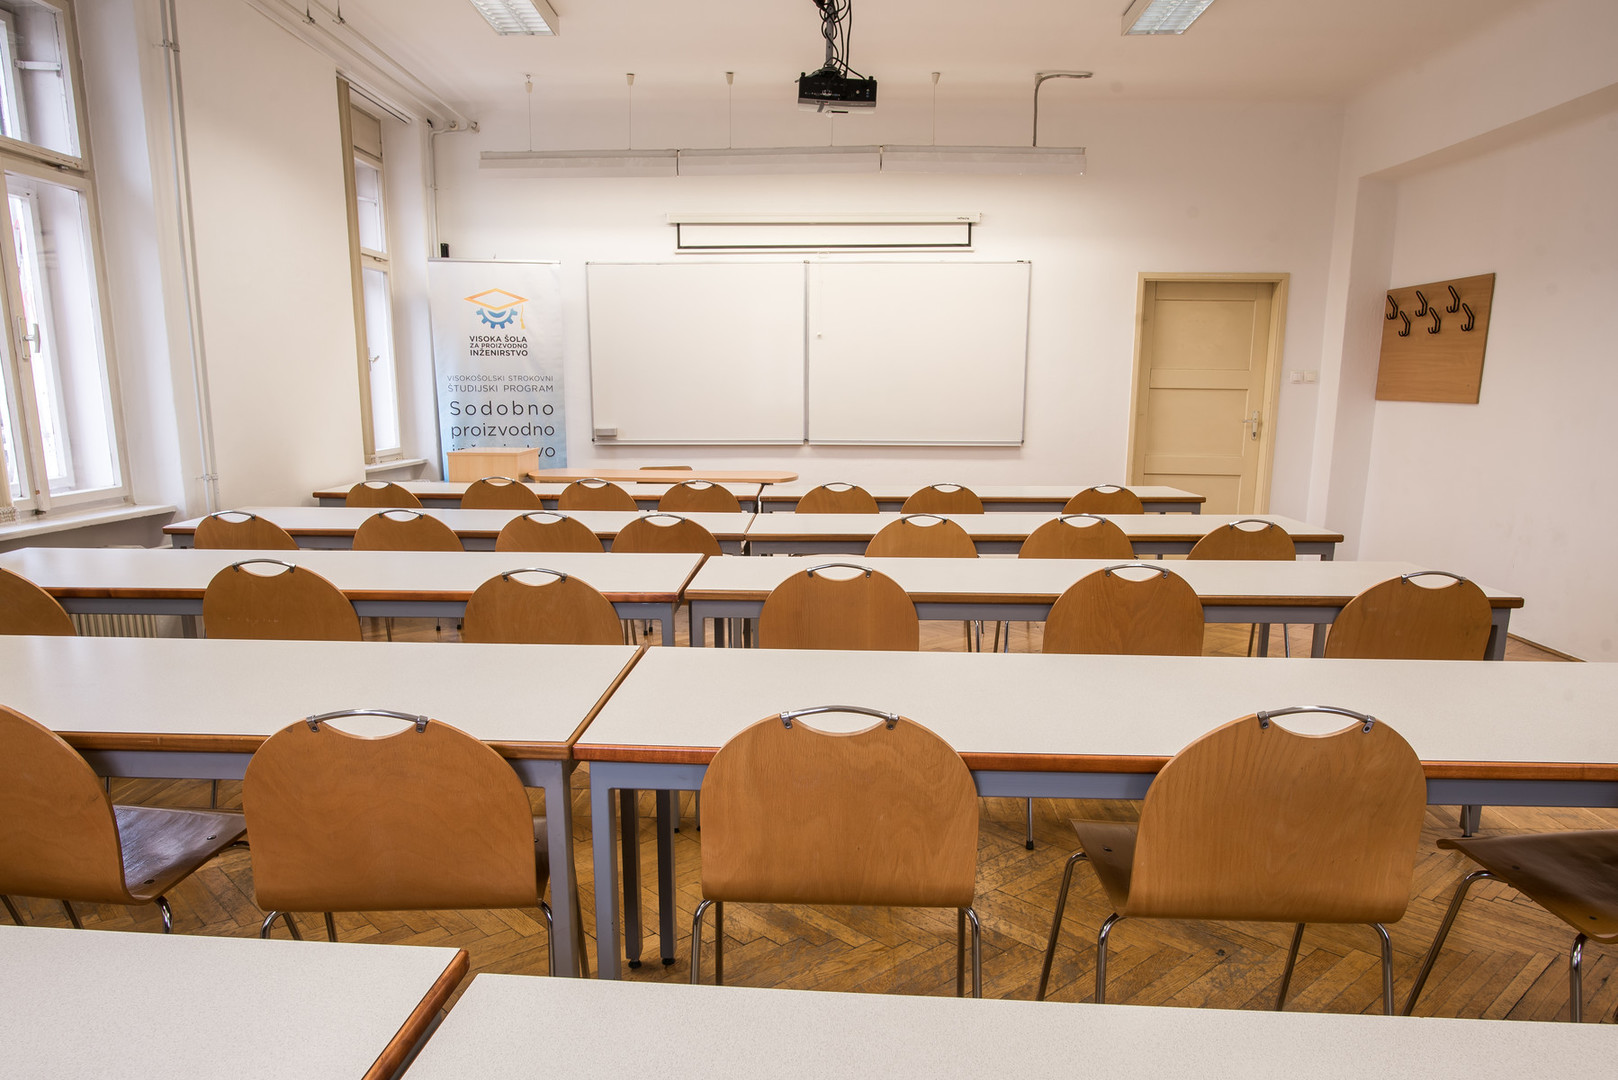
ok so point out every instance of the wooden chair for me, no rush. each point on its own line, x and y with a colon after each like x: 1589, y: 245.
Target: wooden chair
x: 25, y: 608
x: 1255, y: 823
x: 546, y: 530
x: 405, y: 530
x: 1107, y: 612
x: 381, y: 494
x: 1572, y: 875
x: 1104, y: 499
x: 61, y: 837
x: 943, y: 499
x: 595, y: 495
x: 1077, y: 536
x: 292, y: 604
x: 1265, y: 541
x: 426, y: 818
x: 885, y: 816
x: 921, y: 536
x: 812, y: 610
x: 665, y: 533
x: 237, y: 530
x: 837, y: 498
x: 1400, y: 620
x: 500, y: 493
x: 560, y: 611
x: 698, y: 497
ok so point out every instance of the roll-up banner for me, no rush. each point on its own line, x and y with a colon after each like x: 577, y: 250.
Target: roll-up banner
x: 497, y: 355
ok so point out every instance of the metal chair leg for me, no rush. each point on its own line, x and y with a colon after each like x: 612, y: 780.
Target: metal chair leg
x: 284, y: 916
x: 960, y: 952
x: 1575, y: 981
x: 213, y: 795
x: 72, y: 916
x: 550, y: 938
x: 719, y: 943
x: 1438, y: 939
x: 1028, y: 841
x: 11, y: 909
x: 1387, y: 967
x: 331, y: 927
x: 1292, y: 961
x: 1056, y: 924
x: 164, y: 910
x: 1101, y: 955
x: 696, y: 941
x: 977, y: 953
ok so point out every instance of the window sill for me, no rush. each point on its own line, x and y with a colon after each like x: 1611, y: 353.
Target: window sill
x: 398, y: 468
x: 86, y: 528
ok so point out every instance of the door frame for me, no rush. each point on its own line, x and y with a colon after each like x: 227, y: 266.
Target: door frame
x: 1272, y: 369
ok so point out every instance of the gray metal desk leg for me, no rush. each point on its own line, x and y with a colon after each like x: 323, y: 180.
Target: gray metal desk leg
x: 1471, y: 819
x: 1496, y: 649
x: 602, y: 829
x: 629, y: 835
x: 1317, y: 645
x: 666, y: 621
x: 667, y: 815
x: 555, y: 777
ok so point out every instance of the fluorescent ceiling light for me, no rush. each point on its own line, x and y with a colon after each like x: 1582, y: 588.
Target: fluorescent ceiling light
x: 1162, y: 16
x: 583, y: 162
x: 1005, y: 160
x: 518, y: 16
x: 753, y: 161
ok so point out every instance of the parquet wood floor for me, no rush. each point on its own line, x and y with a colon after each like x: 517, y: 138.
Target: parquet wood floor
x: 1506, y: 959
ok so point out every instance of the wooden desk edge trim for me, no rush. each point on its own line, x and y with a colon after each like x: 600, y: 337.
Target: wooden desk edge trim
x: 606, y: 694
x: 1031, y: 599
x: 404, y: 1040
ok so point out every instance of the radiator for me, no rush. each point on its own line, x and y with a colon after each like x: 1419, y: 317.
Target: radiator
x: 103, y: 625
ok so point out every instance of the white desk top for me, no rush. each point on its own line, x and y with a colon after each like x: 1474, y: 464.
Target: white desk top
x: 986, y: 492
x: 997, y: 707
x: 725, y: 1032
x: 117, y: 693
x: 454, y: 489
x: 362, y: 575
x: 344, y: 520
x: 1015, y: 526
x: 96, y: 1003
x: 1304, y: 582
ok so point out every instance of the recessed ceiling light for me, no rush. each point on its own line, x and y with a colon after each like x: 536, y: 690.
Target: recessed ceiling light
x: 1162, y: 16
x: 518, y: 16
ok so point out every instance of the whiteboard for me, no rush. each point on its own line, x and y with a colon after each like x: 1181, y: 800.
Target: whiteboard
x: 697, y: 352
x: 917, y: 353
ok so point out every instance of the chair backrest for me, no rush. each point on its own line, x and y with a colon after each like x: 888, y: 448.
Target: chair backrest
x: 1077, y: 536
x: 793, y: 815
x: 425, y: 818
x: 1104, y: 499
x: 837, y: 498
x: 595, y: 495
x: 25, y: 608
x: 405, y: 530
x: 698, y: 496
x: 553, y: 609
x: 1401, y: 620
x: 943, y: 499
x: 58, y: 833
x: 381, y: 494
x: 291, y: 604
x: 546, y: 530
x: 662, y: 532
x: 499, y: 493
x: 921, y: 536
x: 1246, y: 538
x: 1107, y: 612
x: 811, y: 610
x: 1255, y: 822
x: 238, y: 530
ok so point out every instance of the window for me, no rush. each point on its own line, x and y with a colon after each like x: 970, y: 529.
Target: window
x: 373, y: 301
x: 58, y: 416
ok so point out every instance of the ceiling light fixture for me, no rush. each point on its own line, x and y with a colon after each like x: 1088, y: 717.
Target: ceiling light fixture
x: 530, y: 17
x: 1162, y: 16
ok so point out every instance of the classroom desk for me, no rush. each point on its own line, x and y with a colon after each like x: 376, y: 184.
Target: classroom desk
x: 1096, y: 727
x: 663, y: 476
x: 436, y: 584
x: 748, y: 1033
x: 997, y: 498
x: 100, y: 1003
x: 1004, y: 533
x: 446, y: 495
x: 168, y: 707
x: 1023, y: 590
x: 334, y: 526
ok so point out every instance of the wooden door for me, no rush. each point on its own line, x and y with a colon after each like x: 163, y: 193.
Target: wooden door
x: 1204, y: 390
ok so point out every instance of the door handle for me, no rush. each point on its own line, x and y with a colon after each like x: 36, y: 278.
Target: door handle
x: 1254, y: 421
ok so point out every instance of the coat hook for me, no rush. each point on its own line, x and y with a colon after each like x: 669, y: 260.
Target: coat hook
x: 1454, y: 300
x: 1393, y: 308
x: 1406, y: 331
x: 1471, y: 319
x: 1422, y: 314
x: 1433, y: 329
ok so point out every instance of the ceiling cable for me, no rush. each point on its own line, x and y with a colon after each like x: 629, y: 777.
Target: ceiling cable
x: 528, y: 88
x: 932, y: 140
x: 1039, y: 80
x: 629, y: 77
x: 730, y: 113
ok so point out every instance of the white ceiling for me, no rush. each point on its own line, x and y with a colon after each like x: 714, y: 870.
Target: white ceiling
x: 1318, y: 50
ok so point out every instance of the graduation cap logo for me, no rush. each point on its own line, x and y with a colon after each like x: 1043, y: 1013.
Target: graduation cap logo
x: 498, y: 308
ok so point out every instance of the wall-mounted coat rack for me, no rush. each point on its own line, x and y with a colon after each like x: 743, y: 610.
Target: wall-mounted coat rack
x: 1446, y: 362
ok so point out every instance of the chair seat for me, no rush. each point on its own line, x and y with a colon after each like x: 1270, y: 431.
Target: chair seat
x: 1573, y: 875
x: 1110, y: 847
x: 161, y: 846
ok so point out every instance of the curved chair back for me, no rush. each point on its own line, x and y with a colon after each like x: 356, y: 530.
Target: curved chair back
x: 427, y: 817
x: 546, y: 530
x: 665, y: 533
x: 1401, y: 620
x: 405, y: 530
x: 793, y: 815
x: 1107, y: 612
x: 551, y: 610
x: 837, y: 498
x: 1246, y: 538
x: 1077, y: 536
x: 698, y: 496
x: 1104, y: 499
x: 811, y: 610
x: 499, y: 493
x: 595, y: 495
x: 291, y: 604
x: 237, y: 530
x: 25, y: 608
x: 381, y: 494
x: 1255, y: 822
x: 58, y: 832
x: 921, y: 536
x: 943, y: 499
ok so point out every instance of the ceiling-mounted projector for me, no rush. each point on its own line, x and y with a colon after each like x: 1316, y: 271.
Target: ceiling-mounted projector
x: 835, y: 88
